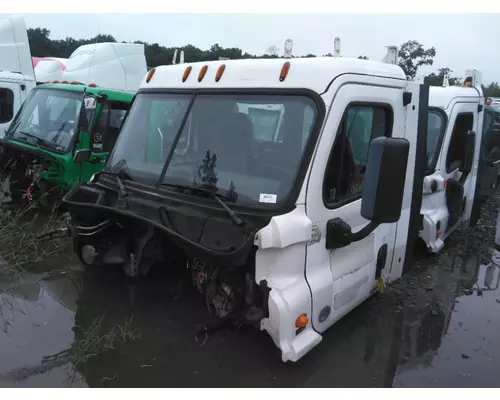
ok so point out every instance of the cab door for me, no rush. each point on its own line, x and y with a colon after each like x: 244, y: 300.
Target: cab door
x: 103, y: 134
x: 459, y: 192
x: 489, y: 158
x: 489, y: 162
x: 10, y: 102
x: 341, y: 278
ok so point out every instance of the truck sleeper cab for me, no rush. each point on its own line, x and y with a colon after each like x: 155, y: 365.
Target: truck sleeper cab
x: 458, y: 129
x: 53, y: 125
x: 288, y: 230
x: 17, y: 77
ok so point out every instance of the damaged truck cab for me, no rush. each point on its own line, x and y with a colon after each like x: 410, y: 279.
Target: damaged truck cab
x: 65, y: 130
x: 289, y: 219
x: 57, y: 121
x: 460, y: 163
x: 17, y: 77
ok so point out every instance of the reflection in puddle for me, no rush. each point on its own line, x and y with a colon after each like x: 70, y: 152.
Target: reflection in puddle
x: 466, y: 347
x: 35, y: 324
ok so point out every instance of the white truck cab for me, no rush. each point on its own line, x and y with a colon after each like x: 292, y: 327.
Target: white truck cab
x: 454, y: 138
x: 305, y: 225
x: 17, y: 76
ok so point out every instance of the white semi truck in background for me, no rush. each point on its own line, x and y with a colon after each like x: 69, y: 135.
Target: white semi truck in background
x: 17, y: 75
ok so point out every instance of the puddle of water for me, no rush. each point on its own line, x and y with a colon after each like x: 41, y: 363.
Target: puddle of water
x: 435, y: 328
x: 468, y: 355
x: 35, y: 324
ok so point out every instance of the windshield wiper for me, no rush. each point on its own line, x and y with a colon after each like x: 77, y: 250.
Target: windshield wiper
x: 40, y: 142
x: 216, y: 196
x: 30, y: 135
x: 117, y: 171
x: 174, y: 143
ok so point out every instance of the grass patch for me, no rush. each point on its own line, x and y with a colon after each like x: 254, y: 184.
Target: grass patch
x: 19, y: 246
x: 92, y: 342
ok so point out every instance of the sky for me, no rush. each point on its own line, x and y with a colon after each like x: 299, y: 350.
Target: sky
x: 461, y: 40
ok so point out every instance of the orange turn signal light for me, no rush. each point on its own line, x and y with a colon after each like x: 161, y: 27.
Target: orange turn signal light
x: 301, y: 321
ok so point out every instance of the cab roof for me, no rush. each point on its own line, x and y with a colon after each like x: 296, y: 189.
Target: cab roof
x: 442, y: 96
x: 304, y: 73
x: 115, y: 95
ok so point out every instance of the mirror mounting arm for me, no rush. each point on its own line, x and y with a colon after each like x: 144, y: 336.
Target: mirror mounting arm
x: 339, y: 233
x: 364, y: 232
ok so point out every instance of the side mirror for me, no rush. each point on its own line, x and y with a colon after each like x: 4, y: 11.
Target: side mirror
x: 81, y: 156
x: 466, y: 165
x: 385, y: 179
x: 497, y: 117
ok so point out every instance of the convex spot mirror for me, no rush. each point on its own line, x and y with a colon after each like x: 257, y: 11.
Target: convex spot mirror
x: 466, y: 165
x: 81, y: 156
x: 384, y: 180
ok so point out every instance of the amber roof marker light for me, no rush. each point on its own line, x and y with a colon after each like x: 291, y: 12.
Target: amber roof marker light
x: 202, y: 73
x: 150, y: 74
x: 220, y: 71
x: 186, y: 73
x: 284, y: 71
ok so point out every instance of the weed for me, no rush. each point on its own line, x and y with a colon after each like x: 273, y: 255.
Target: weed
x: 19, y: 246
x: 91, y: 342
x: 126, y: 333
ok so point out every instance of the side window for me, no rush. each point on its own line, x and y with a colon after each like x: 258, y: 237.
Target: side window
x: 107, y: 126
x: 346, y: 166
x: 458, y: 142
x: 6, y: 105
x: 491, y: 147
x: 436, y: 124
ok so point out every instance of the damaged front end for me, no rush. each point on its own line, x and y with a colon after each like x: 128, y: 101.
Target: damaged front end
x: 139, y: 229
x: 27, y: 175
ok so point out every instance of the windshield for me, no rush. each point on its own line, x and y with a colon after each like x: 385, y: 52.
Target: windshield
x: 435, y: 128
x: 48, y: 118
x: 248, y: 147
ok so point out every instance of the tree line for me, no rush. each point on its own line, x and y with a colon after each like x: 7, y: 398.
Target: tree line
x: 412, y: 55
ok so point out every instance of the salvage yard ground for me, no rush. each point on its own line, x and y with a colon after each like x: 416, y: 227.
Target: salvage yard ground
x: 63, y: 326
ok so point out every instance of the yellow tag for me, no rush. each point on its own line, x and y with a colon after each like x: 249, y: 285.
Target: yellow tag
x: 380, y: 284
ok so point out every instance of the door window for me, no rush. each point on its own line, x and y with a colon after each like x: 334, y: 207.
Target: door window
x: 458, y: 142
x: 346, y: 166
x: 6, y: 105
x: 436, y: 126
x: 491, y: 138
x: 107, y: 127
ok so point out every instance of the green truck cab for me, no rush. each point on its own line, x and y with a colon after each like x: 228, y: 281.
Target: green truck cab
x: 39, y: 155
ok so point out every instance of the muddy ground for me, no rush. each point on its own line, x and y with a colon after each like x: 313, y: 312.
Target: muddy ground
x: 438, y: 327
